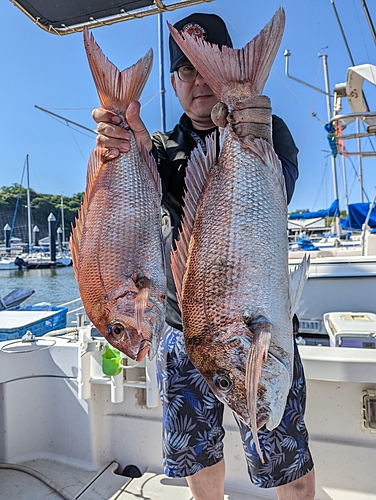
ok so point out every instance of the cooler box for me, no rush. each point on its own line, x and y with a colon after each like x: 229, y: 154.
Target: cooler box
x: 350, y: 329
x: 14, y: 324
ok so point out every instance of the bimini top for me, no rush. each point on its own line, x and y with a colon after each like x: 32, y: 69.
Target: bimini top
x: 63, y: 18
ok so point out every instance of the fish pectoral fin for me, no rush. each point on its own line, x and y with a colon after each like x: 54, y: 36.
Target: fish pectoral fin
x: 141, y: 300
x: 256, y: 355
x: 297, y: 279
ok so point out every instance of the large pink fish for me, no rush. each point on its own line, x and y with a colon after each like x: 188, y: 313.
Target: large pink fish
x: 116, y: 244
x: 231, y: 265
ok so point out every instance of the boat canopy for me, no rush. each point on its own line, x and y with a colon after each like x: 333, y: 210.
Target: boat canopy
x: 357, y: 215
x: 63, y: 18
x: 332, y: 211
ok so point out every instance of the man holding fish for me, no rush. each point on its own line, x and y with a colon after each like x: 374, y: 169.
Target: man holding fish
x: 192, y: 392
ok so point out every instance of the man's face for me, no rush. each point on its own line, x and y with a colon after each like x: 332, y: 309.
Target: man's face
x: 196, y: 98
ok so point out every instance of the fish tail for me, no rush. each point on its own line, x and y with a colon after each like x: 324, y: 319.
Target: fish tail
x: 221, y: 68
x: 252, y: 377
x: 116, y: 89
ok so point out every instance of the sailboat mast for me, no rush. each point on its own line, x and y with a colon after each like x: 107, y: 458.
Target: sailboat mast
x: 162, y: 90
x: 62, y: 219
x: 28, y: 202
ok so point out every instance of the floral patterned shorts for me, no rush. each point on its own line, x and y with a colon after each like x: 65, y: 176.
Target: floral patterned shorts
x: 192, y: 423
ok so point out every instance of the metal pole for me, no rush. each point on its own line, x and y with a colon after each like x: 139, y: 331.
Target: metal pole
x: 28, y: 203
x: 162, y: 91
x: 7, y: 237
x: 347, y: 45
x: 370, y: 23
x: 51, y: 230
x: 329, y: 112
x: 62, y: 219
x: 345, y: 183
x: 360, y: 162
x: 36, y: 232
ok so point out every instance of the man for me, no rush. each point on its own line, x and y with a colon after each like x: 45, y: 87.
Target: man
x: 192, y: 416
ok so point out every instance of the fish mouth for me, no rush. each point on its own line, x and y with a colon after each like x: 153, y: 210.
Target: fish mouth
x: 123, y: 335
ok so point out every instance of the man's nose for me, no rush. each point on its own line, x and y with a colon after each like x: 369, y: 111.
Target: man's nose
x: 199, y: 79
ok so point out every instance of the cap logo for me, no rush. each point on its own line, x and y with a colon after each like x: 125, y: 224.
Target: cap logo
x: 195, y: 30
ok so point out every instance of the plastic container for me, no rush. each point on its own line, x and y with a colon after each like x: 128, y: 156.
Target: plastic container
x: 111, y: 361
x: 14, y: 324
x: 351, y: 329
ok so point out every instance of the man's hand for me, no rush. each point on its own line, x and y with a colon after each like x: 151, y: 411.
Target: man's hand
x: 115, y: 138
x: 252, y: 119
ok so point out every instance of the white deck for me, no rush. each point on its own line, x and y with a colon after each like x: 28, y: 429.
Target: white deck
x: 44, y: 425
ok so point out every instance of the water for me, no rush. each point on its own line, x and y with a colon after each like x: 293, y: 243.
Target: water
x: 56, y: 286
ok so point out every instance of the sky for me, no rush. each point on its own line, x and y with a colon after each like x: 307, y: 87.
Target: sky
x: 51, y: 71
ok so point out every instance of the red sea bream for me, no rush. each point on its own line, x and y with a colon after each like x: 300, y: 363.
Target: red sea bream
x: 116, y: 245
x: 231, y: 265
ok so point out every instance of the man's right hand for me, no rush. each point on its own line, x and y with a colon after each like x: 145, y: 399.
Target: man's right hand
x: 116, y: 139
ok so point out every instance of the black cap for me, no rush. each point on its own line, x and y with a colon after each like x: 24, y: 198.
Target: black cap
x: 209, y: 27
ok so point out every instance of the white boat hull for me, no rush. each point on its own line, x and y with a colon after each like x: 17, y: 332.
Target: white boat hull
x: 338, y: 283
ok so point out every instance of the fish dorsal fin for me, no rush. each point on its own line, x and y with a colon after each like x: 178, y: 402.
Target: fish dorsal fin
x: 221, y: 68
x: 149, y: 160
x: 267, y: 155
x: 198, y: 168
x: 297, y: 278
x: 94, y: 166
x: 116, y: 89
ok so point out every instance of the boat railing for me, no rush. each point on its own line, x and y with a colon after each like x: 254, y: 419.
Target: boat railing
x: 77, y: 310
x: 366, y: 117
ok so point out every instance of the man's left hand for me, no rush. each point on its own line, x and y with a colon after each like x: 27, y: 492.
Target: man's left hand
x: 252, y: 118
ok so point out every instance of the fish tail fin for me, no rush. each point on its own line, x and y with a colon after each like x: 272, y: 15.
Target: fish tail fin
x: 297, y: 279
x: 141, y: 301
x: 256, y: 356
x: 221, y: 68
x: 116, y: 89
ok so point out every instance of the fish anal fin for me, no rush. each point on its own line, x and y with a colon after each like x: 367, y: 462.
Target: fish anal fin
x: 256, y: 355
x: 116, y: 89
x: 297, y: 278
x: 198, y: 168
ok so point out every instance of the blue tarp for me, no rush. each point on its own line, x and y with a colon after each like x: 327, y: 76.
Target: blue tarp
x: 332, y: 211
x: 306, y: 244
x: 357, y: 215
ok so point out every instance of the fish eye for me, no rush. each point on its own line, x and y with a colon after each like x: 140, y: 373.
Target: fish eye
x: 115, y: 330
x: 223, y: 382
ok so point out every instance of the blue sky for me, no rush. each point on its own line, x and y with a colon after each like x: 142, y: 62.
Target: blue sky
x: 51, y: 71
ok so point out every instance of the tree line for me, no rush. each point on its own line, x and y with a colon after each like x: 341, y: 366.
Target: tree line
x: 13, y: 211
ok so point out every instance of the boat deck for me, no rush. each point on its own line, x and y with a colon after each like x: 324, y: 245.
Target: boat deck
x: 78, y: 484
